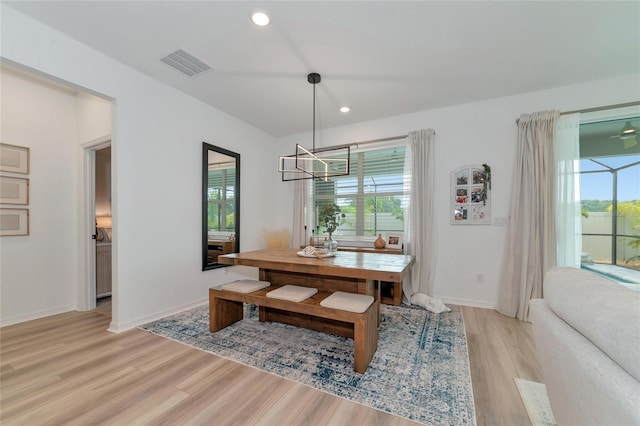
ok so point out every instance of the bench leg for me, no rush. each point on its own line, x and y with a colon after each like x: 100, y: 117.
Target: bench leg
x: 365, y: 339
x: 223, y: 313
x: 372, y: 288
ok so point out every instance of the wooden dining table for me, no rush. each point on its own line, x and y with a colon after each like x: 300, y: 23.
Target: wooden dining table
x: 353, y: 272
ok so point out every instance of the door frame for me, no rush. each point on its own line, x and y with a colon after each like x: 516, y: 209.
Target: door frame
x: 87, y: 291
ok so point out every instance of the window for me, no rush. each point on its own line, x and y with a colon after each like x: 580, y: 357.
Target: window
x: 373, y: 196
x: 221, y: 199
x: 610, y: 194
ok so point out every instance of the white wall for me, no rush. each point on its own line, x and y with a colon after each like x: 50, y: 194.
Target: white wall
x: 156, y: 148
x: 157, y: 136
x: 475, y: 133
x: 43, y: 118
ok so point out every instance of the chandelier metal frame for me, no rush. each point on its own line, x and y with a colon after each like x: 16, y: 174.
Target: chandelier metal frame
x: 315, y: 163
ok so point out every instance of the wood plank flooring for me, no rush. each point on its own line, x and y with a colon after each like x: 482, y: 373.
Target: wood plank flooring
x: 67, y: 369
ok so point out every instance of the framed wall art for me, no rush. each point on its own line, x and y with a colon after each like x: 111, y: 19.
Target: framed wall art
x: 14, y: 190
x: 14, y: 222
x: 470, y: 201
x: 14, y: 159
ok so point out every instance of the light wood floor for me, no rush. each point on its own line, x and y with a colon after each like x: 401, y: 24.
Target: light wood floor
x: 67, y: 369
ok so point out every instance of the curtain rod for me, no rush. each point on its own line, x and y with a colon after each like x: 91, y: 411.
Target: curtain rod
x: 601, y: 108
x: 345, y: 145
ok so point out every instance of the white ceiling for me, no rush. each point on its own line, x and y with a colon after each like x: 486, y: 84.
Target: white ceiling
x: 382, y: 58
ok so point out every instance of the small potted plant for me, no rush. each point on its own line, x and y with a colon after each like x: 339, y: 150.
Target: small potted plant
x: 486, y: 183
x: 330, y: 217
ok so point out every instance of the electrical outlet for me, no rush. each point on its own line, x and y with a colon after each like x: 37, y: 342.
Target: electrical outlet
x: 479, y: 277
x: 500, y: 221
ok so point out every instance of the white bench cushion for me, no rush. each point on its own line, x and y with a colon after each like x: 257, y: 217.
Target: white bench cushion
x: 351, y: 302
x: 246, y: 286
x: 293, y: 293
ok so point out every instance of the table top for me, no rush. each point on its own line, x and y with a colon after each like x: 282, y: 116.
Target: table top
x: 373, y: 266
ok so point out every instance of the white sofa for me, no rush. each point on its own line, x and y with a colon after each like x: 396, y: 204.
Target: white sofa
x: 587, y: 337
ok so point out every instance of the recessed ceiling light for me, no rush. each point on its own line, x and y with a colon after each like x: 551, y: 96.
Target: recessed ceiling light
x: 345, y: 109
x: 261, y: 19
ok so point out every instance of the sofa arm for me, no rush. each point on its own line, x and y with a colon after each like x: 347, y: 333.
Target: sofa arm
x: 584, y: 385
x: 603, y: 311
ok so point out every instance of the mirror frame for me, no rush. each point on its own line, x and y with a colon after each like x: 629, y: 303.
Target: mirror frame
x: 206, y: 148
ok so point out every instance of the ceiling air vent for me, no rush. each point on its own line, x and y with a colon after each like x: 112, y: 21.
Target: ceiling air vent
x: 186, y: 63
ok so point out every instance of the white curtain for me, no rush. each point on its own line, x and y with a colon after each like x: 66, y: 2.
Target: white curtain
x: 299, y: 234
x: 420, y: 237
x: 568, y: 208
x: 530, y: 249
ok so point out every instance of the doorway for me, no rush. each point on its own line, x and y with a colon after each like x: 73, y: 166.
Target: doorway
x: 102, y: 190
x: 97, y: 234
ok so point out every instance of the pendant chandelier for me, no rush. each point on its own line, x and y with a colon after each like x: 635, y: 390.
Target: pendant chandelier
x: 314, y: 163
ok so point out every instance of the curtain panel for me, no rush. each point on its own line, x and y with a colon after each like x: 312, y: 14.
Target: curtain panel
x: 568, y: 208
x: 299, y: 234
x: 420, y: 238
x: 530, y: 249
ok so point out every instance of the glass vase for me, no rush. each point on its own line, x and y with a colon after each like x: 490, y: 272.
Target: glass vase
x: 330, y: 245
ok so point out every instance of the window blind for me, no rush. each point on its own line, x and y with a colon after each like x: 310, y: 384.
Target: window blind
x: 221, y: 199
x: 373, y: 196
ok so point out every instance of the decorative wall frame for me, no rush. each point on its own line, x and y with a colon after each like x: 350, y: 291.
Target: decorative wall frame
x: 14, y: 159
x: 14, y: 190
x: 470, y: 195
x: 14, y: 222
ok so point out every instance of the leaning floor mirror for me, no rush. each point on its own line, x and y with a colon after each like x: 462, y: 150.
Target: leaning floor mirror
x: 220, y: 204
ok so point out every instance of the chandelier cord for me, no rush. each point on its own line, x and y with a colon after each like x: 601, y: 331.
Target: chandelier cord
x: 305, y: 164
x: 314, y: 119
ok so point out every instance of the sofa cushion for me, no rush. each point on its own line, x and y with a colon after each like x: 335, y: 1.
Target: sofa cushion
x: 603, y: 311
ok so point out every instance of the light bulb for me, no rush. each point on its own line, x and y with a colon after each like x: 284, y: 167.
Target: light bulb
x: 261, y: 19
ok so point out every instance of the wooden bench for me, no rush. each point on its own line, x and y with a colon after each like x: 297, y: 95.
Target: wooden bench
x: 226, y: 308
x: 390, y: 292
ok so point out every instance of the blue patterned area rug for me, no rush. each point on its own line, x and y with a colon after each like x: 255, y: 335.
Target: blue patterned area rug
x: 420, y: 370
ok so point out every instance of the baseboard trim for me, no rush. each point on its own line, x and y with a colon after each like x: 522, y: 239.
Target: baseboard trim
x: 120, y: 327
x: 37, y: 315
x: 467, y: 302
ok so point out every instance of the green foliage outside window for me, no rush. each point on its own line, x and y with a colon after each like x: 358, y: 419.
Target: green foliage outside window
x: 214, y: 223
x: 630, y: 209
x: 595, y: 206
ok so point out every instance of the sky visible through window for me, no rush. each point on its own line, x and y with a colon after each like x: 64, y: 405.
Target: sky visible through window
x: 598, y: 186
